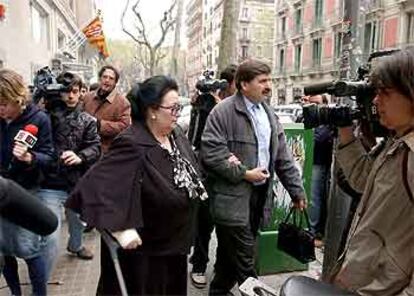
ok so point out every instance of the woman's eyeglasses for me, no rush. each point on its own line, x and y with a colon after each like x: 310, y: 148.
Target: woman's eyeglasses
x: 174, y: 109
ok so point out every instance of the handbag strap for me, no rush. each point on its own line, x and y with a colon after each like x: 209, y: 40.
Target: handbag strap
x: 303, y: 213
x: 291, y: 211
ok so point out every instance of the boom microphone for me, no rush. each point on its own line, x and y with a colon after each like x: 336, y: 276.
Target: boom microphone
x: 22, y: 208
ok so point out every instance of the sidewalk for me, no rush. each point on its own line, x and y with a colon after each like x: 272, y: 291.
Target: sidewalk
x: 72, y: 276
x: 75, y: 277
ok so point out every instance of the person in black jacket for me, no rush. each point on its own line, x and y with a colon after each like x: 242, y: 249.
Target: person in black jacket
x: 322, y: 159
x: 144, y: 191
x: 23, y: 165
x: 77, y: 146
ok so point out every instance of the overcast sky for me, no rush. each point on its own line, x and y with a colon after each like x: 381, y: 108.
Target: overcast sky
x: 152, y: 12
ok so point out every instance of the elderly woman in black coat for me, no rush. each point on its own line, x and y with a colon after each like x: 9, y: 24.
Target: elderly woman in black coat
x: 144, y: 192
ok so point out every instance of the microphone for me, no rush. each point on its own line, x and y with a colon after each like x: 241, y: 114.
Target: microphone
x: 27, y: 136
x: 20, y: 207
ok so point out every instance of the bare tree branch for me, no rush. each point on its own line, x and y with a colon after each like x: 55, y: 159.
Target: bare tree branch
x: 148, y: 55
x: 124, y: 27
x: 141, y: 30
x: 166, y: 23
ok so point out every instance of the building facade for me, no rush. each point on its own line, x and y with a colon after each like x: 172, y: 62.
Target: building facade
x: 194, y: 23
x: 308, y: 39
x: 307, y: 49
x: 254, y: 36
x: 36, y: 33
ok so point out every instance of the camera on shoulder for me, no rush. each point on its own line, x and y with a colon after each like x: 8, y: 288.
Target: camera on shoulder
x: 342, y: 115
x: 50, y: 88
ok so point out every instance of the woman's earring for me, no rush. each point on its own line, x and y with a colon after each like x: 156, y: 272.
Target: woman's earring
x: 153, y: 117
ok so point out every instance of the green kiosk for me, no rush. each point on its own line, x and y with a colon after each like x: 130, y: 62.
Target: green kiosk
x: 270, y: 259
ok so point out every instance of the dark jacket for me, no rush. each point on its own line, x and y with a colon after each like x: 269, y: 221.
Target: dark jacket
x: 132, y: 187
x: 73, y: 130
x: 322, y: 151
x: 28, y: 176
x: 229, y: 129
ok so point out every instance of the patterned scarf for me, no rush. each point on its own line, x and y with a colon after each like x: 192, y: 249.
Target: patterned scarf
x: 185, y: 176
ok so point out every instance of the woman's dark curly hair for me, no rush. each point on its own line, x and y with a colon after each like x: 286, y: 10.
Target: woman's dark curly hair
x: 149, y: 94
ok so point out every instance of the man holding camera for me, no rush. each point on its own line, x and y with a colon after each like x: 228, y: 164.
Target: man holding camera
x: 77, y: 146
x: 111, y: 109
x: 205, y: 225
x: 379, y: 254
x: 244, y: 127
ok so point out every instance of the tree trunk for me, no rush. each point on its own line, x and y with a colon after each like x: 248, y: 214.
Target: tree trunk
x: 177, y: 39
x: 228, y: 38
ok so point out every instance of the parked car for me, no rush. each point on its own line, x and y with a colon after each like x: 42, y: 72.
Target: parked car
x: 185, y: 116
x: 295, y: 110
x: 285, y: 118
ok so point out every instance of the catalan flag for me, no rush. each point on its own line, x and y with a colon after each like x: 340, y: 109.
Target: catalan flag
x: 95, y: 36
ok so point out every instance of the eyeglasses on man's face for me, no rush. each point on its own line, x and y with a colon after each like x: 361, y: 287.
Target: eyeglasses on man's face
x: 174, y: 109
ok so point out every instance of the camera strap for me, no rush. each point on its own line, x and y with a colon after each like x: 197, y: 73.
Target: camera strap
x: 405, y: 173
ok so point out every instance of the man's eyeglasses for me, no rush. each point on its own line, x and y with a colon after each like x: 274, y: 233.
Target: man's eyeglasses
x: 174, y: 109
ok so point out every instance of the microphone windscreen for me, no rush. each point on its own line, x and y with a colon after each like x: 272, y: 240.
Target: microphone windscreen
x: 31, y: 128
x: 24, y: 209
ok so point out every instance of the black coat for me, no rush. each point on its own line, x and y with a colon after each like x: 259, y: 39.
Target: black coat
x: 73, y: 130
x: 132, y: 187
x: 28, y: 176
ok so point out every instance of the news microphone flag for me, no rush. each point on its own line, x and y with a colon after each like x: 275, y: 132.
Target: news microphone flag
x: 28, y: 135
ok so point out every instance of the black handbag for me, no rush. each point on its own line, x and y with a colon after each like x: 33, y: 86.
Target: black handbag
x: 295, y: 240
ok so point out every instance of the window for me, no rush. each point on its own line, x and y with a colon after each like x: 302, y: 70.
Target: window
x: 283, y: 27
x: 298, y: 57
x: 371, y: 38
x: 72, y: 5
x: 317, y: 52
x: 244, y: 52
x: 298, y: 21
x: 281, y: 60
x: 259, y: 51
x: 40, y: 25
x: 61, y: 39
x: 318, y: 12
x: 338, y: 45
x: 245, y: 13
x: 410, y: 27
x: 244, y: 33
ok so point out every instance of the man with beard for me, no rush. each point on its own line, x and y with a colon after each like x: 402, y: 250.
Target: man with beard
x: 111, y: 109
x: 244, y: 127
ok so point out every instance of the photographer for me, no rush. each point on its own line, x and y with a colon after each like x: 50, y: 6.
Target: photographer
x: 22, y: 164
x: 379, y: 255
x: 212, y: 92
x: 77, y: 146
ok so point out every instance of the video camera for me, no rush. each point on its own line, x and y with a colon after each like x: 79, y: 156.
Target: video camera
x: 207, y: 83
x: 50, y: 88
x: 341, y: 114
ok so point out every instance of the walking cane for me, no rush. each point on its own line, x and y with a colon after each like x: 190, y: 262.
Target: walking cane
x: 113, y: 250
